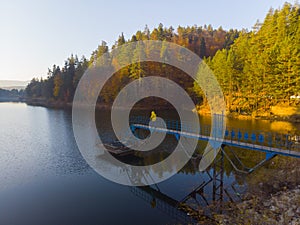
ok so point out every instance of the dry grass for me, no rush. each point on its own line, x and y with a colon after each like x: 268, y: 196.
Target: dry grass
x: 282, y: 127
x: 285, y: 110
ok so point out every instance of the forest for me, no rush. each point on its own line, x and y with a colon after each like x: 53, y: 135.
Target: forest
x: 11, y: 95
x: 262, y: 68
x: 256, y: 69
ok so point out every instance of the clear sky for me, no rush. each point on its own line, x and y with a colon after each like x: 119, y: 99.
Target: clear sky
x: 36, y: 34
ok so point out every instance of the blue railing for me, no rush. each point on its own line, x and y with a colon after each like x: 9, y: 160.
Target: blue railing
x: 269, y: 139
x: 171, y: 124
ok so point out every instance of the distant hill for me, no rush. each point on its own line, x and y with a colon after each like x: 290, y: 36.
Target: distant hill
x: 13, y: 84
x: 11, y: 96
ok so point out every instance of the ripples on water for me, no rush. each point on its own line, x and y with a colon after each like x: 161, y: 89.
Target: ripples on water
x: 44, y: 179
x: 36, y: 142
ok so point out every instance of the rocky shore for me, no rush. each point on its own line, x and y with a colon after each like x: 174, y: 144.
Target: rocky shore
x: 273, y: 201
x: 281, y: 208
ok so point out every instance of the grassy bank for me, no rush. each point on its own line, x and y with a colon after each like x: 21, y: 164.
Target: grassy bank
x: 279, y: 112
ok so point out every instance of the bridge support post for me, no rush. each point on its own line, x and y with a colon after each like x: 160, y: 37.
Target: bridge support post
x: 132, y: 128
x: 269, y: 155
x: 218, y: 176
x: 215, y: 182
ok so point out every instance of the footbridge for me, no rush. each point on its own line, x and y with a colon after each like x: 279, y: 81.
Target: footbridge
x: 270, y: 143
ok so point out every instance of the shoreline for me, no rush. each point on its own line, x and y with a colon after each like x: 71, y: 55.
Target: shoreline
x: 272, y: 200
x: 68, y: 105
x: 276, y: 115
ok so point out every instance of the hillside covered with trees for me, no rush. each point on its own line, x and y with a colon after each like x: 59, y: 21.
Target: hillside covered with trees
x: 61, y: 83
x: 262, y: 68
x: 11, y: 95
x: 256, y: 69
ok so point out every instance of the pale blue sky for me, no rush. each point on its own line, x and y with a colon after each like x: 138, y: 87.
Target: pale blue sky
x: 36, y: 34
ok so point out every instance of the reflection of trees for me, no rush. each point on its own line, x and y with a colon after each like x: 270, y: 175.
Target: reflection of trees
x: 156, y: 198
x: 250, y: 157
x: 204, y: 200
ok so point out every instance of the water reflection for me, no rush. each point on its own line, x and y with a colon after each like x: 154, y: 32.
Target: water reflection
x: 190, y: 196
x: 283, y: 127
x: 37, y: 144
x: 200, y: 201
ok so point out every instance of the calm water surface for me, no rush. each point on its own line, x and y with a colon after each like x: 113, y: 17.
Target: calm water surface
x: 45, y: 180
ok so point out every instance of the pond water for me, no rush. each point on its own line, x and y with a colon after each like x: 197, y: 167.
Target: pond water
x: 45, y: 180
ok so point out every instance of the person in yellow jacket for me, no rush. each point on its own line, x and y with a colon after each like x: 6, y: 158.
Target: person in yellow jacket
x: 153, y: 116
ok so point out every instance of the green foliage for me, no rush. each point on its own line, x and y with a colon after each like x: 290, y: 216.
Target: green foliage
x: 60, y: 84
x: 261, y: 68
x: 10, y: 94
x: 256, y: 69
